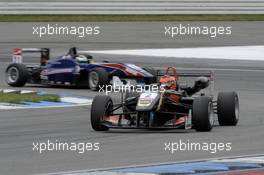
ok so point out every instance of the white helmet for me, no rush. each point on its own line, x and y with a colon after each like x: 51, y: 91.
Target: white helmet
x: 82, y: 58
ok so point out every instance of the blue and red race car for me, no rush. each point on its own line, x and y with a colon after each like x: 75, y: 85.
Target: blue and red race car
x: 72, y: 69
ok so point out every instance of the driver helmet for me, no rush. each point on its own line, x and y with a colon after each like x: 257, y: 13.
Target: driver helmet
x: 81, y: 58
x: 168, y: 82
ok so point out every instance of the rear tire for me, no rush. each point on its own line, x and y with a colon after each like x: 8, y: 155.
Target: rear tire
x: 202, y: 114
x: 228, y: 108
x: 101, y: 107
x: 98, y: 78
x: 16, y: 75
x: 152, y: 71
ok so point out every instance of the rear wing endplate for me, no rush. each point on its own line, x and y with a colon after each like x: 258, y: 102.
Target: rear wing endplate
x: 17, y: 56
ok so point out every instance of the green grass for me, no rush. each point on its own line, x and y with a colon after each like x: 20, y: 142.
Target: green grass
x: 21, y: 98
x: 123, y: 18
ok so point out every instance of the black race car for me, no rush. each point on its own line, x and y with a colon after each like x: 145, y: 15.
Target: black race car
x: 172, y: 106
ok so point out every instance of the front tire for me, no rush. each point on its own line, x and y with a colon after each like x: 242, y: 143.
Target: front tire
x: 98, y: 78
x: 202, y: 114
x: 16, y: 75
x: 101, y: 107
x: 228, y: 108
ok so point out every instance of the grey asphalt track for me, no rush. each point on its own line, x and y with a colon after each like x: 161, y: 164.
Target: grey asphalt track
x: 20, y: 128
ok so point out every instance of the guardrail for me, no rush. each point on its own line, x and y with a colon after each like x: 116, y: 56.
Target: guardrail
x: 134, y: 7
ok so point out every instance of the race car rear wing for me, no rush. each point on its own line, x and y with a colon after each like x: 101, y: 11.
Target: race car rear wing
x: 186, y: 72
x: 18, y: 54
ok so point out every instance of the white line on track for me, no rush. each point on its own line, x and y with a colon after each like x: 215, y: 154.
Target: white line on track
x: 221, y: 69
x: 204, y: 68
x: 230, y: 52
x: 209, y: 68
x: 40, y: 107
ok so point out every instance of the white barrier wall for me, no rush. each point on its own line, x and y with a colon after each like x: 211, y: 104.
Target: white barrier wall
x: 132, y: 7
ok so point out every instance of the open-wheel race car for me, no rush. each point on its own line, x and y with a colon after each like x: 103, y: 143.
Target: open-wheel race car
x: 76, y: 68
x: 172, y: 106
